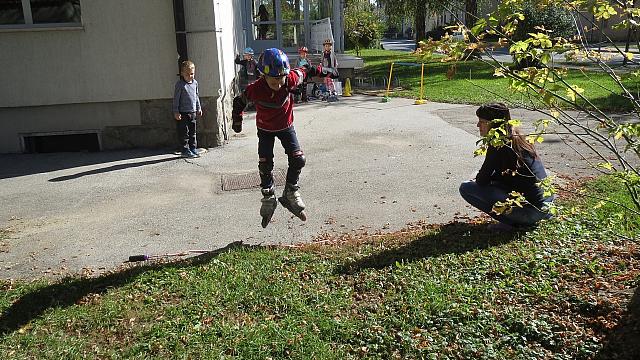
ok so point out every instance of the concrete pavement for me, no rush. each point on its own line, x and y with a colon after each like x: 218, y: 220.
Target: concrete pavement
x: 371, y: 166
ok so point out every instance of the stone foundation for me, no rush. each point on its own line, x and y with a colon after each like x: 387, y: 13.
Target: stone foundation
x: 157, y: 127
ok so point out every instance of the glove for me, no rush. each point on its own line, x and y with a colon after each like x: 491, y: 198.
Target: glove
x: 237, y: 122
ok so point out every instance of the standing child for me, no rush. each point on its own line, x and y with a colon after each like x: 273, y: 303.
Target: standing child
x: 186, y: 108
x: 272, y: 96
x: 249, y: 64
x: 303, y: 61
x: 329, y: 60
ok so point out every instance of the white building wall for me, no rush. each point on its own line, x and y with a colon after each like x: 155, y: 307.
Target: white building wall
x: 125, y: 50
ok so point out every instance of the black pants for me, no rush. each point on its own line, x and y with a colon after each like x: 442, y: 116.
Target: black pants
x: 266, y: 141
x: 187, y: 131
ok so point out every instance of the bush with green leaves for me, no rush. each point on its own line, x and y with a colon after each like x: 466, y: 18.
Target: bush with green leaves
x: 555, y: 19
x: 362, y: 28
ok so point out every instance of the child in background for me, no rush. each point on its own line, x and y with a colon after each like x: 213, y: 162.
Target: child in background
x: 303, y: 61
x: 329, y: 60
x: 186, y: 108
x: 249, y: 73
x: 273, y: 99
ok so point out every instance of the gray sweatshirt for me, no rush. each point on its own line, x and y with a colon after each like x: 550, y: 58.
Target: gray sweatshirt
x: 185, y: 97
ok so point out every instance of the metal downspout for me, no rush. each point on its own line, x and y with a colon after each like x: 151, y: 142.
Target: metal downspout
x: 222, y: 92
x: 181, y: 33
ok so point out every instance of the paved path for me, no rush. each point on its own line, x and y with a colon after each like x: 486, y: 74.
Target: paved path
x: 371, y: 166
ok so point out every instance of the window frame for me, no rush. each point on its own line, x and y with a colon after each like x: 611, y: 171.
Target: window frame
x: 28, y: 21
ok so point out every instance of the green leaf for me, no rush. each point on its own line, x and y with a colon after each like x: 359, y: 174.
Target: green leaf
x: 606, y: 165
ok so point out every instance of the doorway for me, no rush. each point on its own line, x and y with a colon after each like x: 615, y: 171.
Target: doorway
x: 285, y: 24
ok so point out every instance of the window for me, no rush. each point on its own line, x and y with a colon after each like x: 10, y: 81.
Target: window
x: 36, y: 13
x: 292, y: 35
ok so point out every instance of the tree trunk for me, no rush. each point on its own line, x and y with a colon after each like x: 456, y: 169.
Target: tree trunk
x: 471, y: 12
x: 421, y: 15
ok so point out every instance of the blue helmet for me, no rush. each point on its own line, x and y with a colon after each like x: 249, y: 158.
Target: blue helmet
x: 273, y: 62
x: 247, y: 51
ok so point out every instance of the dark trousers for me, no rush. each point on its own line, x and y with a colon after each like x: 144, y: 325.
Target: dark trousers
x: 484, y: 197
x: 289, y: 141
x: 187, y: 131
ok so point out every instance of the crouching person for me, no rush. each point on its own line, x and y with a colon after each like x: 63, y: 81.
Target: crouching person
x: 512, y: 167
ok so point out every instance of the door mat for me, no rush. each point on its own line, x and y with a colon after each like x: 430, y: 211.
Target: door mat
x: 250, y: 180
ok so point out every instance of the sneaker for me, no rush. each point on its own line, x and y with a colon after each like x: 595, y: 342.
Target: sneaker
x: 195, y: 152
x: 187, y: 154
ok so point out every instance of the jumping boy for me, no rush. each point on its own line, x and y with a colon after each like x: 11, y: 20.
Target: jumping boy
x: 186, y: 108
x: 273, y: 99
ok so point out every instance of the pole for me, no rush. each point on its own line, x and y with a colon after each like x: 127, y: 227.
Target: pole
x: 386, y: 96
x: 420, y: 101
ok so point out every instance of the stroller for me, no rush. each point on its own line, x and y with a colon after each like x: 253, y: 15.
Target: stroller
x: 320, y: 91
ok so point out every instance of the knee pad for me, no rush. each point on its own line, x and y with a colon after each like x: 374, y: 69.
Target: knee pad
x: 297, y: 161
x: 265, y: 166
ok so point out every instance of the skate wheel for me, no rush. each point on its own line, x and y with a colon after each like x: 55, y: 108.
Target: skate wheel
x: 302, y: 216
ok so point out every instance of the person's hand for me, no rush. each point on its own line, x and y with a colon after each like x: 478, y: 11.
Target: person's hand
x: 334, y: 74
x: 177, y: 116
x: 237, y: 122
x: 199, y: 113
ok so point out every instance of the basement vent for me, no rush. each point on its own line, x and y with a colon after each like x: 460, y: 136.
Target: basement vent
x: 250, y: 180
x: 67, y: 142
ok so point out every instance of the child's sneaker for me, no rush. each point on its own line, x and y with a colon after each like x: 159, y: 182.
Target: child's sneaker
x: 268, y: 206
x: 292, y: 200
x: 187, y: 154
x: 195, y: 152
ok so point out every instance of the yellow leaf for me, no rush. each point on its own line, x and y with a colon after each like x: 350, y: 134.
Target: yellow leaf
x: 571, y: 94
x: 629, y: 56
x: 606, y: 165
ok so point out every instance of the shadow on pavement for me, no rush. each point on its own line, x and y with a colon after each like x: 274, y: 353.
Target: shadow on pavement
x: 70, y: 291
x: 623, y: 342
x: 453, y: 238
x: 112, y: 168
x: 15, y: 165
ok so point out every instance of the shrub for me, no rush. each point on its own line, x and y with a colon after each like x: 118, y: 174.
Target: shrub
x: 553, y: 18
x: 362, y: 28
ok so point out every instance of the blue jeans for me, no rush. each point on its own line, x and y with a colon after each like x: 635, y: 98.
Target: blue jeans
x: 484, y: 197
x: 289, y: 141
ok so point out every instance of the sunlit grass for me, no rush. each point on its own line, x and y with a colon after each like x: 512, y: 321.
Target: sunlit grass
x: 456, y: 290
x: 474, y: 82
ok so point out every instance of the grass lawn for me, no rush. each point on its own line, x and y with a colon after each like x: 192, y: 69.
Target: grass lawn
x: 474, y: 82
x: 430, y: 291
